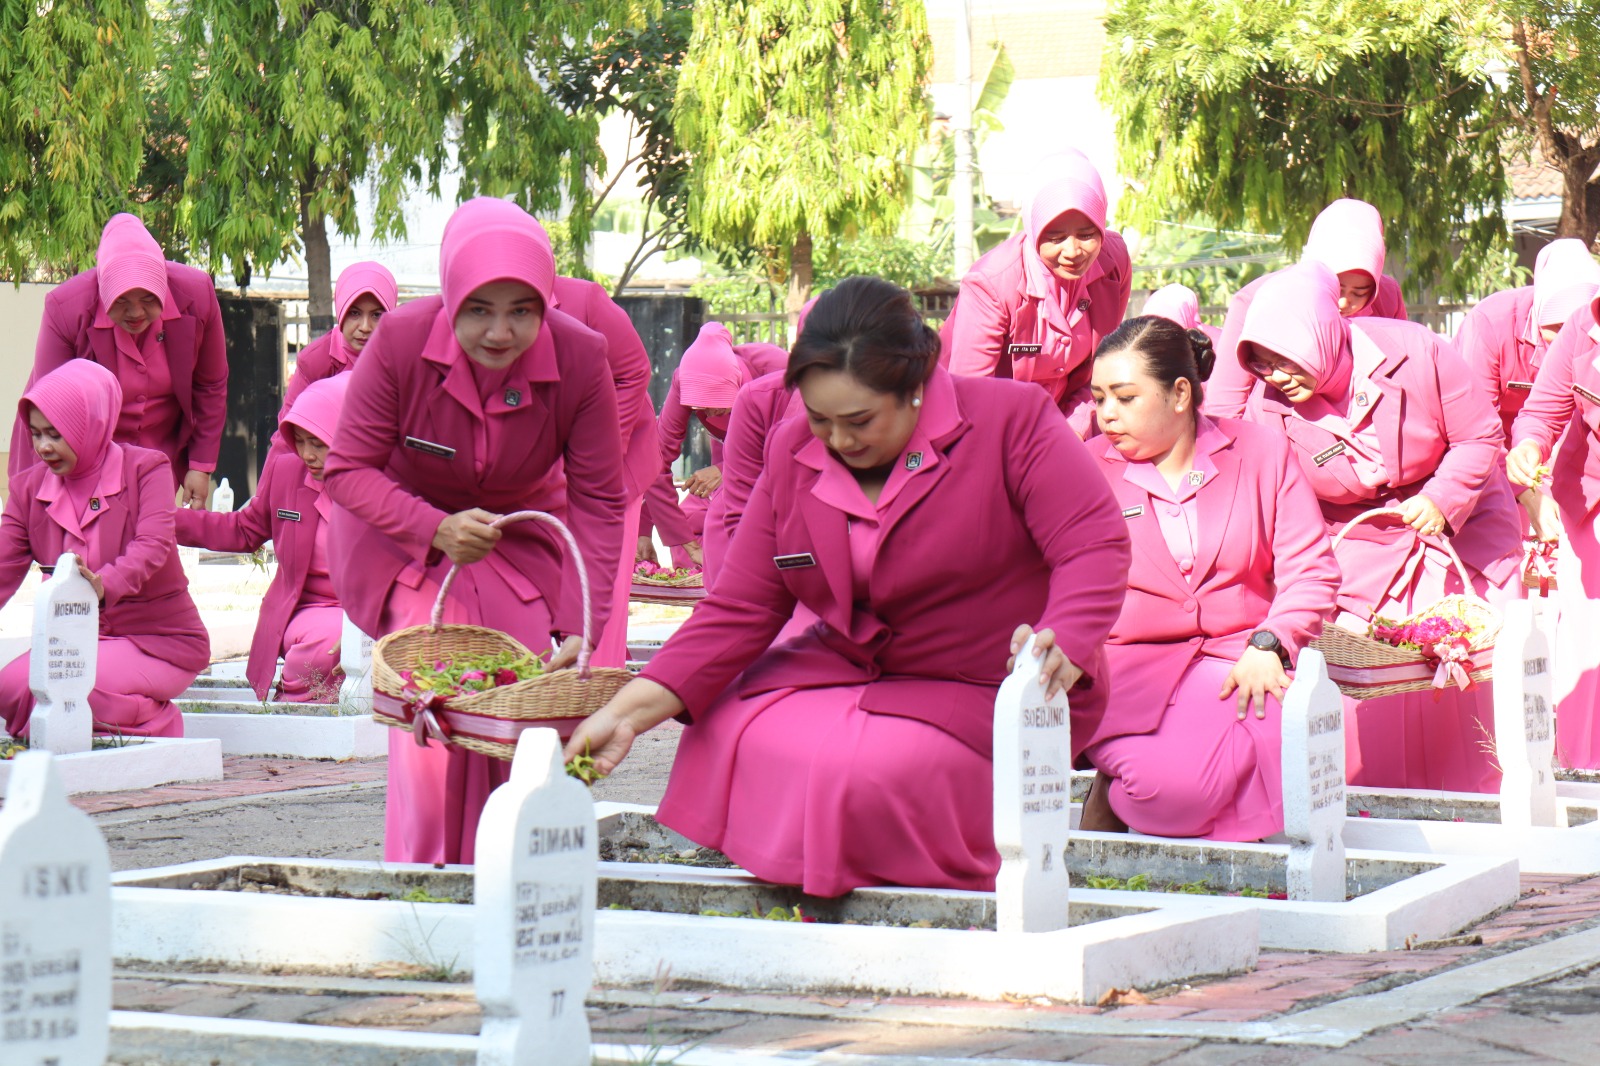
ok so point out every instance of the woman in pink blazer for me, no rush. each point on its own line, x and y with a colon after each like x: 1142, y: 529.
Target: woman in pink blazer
x: 157, y: 327
x: 1034, y: 308
x: 300, y: 614
x: 456, y: 413
x: 1178, y: 303
x: 364, y: 293
x: 1559, y: 424
x: 704, y: 387
x: 1384, y: 414
x: 1232, y: 575
x: 111, y: 505
x: 1505, y: 337
x: 759, y: 407
x: 1347, y: 238
x: 922, y: 517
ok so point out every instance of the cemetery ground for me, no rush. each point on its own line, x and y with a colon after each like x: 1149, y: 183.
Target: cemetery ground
x: 1520, y: 987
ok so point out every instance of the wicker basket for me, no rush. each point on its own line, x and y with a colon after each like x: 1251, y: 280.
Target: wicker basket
x: 1364, y: 667
x: 488, y: 722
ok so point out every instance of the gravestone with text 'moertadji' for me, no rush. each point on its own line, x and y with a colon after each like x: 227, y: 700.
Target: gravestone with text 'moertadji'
x: 534, y: 893
x: 1524, y: 719
x: 55, y: 924
x: 1032, y: 801
x: 61, y: 665
x: 1313, y: 782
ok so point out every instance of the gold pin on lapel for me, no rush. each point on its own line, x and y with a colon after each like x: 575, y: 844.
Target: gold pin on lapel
x: 94, y: 503
x: 513, y: 397
x: 914, y: 461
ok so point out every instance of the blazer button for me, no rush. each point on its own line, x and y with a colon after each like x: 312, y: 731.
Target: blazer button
x: 1188, y: 605
x: 1174, y: 510
x: 1186, y: 565
x: 139, y: 398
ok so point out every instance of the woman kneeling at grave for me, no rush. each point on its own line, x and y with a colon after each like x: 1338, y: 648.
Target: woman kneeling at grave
x: 300, y: 614
x: 928, y: 521
x: 111, y: 505
x: 1232, y: 575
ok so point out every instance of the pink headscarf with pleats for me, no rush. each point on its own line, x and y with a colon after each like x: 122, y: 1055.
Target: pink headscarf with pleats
x: 1348, y: 235
x: 1565, y: 277
x: 362, y: 279
x: 506, y: 243
x: 1074, y: 185
x: 129, y: 258
x: 83, y: 401
x: 1296, y: 315
x: 1175, y: 303
x: 709, y: 374
x: 316, y: 410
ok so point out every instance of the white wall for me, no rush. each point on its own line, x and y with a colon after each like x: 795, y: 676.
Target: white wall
x: 22, y: 310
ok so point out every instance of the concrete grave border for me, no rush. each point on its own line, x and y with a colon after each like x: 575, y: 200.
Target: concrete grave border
x: 142, y: 762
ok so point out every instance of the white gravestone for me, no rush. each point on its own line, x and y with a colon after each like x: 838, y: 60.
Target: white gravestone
x: 534, y: 898
x: 1524, y: 721
x: 61, y: 663
x: 355, y: 659
x: 1032, y: 801
x: 55, y: 924
x: 1313, y: 782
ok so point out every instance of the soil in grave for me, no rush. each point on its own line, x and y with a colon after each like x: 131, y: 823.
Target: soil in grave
x: 273, y: 881
x: 636, y: 850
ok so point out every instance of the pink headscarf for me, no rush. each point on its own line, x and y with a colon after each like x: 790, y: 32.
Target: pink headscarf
x: 1074, y: 185
x: 709, y: 374
x: 1348, y: 235
x: 129, y: 258
x: 1565, y: 277
x: 363, y: 279
x: 506, y: 244
x: 1296, y: 315
x: 83, y: 401
x: 1176, y: 303
x: 316, y: 410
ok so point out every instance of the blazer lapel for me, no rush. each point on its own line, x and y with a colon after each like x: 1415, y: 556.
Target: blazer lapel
x: 179, y: 345
x: 1144, y: 528
x: 1388, y: 410
x: 828, y: 535
x: 1214, y: 505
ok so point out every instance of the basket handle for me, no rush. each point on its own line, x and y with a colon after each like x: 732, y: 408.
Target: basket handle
x: 577, y: 557
x: 1440, y: 539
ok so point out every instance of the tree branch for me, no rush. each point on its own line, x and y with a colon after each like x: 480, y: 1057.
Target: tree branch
x: 1538, y: 104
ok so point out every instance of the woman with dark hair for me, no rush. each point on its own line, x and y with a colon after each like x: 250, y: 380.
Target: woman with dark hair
x: 1232, y: 575
x: 929, y: 521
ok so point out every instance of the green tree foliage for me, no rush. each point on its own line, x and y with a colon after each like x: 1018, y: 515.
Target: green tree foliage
x: 799, y: 117
x: 1256, y: 113
x: 290, y: 104
x: 72, y: 136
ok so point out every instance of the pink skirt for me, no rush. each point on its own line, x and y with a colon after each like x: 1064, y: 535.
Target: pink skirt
x: 1577, y: 651
x: 1202, y: 773
x: 802, y: 787
x: 435, y: 794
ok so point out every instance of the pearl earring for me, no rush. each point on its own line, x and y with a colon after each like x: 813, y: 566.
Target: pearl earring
x: 916, y: 401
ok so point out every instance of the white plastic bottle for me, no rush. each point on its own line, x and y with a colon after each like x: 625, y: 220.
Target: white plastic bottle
x: 222, y: 497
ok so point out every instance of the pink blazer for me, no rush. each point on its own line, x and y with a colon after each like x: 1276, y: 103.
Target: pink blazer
x: 982, y: 539
x: 195, y: 352
x: 1230, y: 383
x: 129, y: 543
x: 1566, y: 399
x: 662, y: 506
x: 1439, y: 438
x: 408, y: 455
x: 761, y: 405
x: 1263, y: 560
x: 283, y: 510
x: 996, y: 330
x: 1503, y: 350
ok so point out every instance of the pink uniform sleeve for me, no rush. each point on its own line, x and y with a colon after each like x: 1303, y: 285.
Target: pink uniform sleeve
x: 244, y: 530
x: 630, y: 363
x: 210, y: 388
x: 742, y: 456
x: 593, y: 464
x: 1549, y: 407
x: 1229, y: 387
x: 1305, y: 574
x: 1473, y: 435
x: 356, y: 477
x: 661, y: 498
x: 979, y: 328
x: 154, y: 536
x: 1081, y: 532
x: 1480, y: 348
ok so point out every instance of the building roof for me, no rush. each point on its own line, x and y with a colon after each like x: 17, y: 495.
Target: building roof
x: 1044, y: 38
x: 1533, y: 179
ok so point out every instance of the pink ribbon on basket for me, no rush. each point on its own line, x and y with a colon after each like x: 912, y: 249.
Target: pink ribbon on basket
x: 1541, y: 560
x: 1451, y: 656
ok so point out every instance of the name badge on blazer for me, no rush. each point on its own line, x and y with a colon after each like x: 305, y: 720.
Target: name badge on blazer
x: 288, y: 515
x: 428, y: 447
x: 1323, y: 456
x: 1133, y: 512
x: 1585, y: 393
x: 1525, y: 386
x: 1024, y: 349
x: 794, y: 562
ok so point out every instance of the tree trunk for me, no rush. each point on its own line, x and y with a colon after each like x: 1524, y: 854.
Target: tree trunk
x: 1580, y: 200
x: 319, y: 267
x: 799, y: 279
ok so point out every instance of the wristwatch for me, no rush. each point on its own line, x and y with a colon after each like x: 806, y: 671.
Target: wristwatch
x: 1267, y: 640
